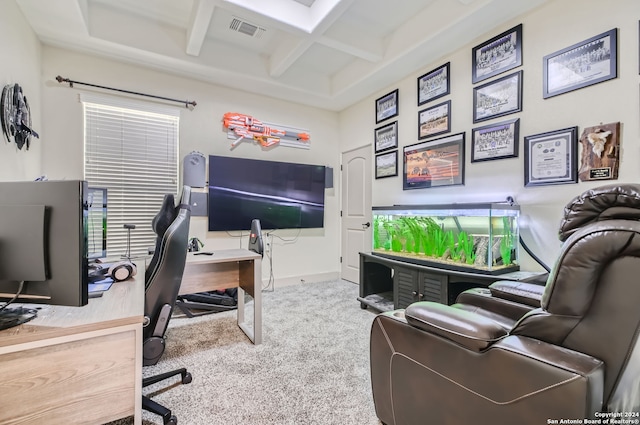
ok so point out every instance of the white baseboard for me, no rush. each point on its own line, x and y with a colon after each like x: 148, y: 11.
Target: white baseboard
x: 300, y: 280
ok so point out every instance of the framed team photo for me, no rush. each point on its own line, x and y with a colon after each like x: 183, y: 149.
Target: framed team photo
x: 498, y: 97
x: 586, y: 63
x: 495, y: 141
x: 434, y: 120
x: 386, y: 137
x: 497, y: 55
x: 387, y: 106
x: 434, y: 84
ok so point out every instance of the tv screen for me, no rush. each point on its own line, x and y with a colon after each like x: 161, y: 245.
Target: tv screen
x: 281, y: 195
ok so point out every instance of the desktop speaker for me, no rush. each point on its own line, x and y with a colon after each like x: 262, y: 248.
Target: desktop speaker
x: 255, y: 237
x: 193, y: 170
x: 328, y: 177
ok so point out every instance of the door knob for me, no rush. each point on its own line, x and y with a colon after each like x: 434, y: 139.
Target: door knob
x: 366, y: 225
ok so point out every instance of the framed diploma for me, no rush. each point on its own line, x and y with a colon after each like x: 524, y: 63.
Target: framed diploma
x: 550, y: 158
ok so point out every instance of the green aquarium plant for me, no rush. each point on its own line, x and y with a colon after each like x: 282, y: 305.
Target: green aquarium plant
x: 506, y: 244
x: 443, y: 240
x: 376, y: 233
x: 412, y: 230
x: 465, y: 246
x: 394, y: 235
x: 428, y: 227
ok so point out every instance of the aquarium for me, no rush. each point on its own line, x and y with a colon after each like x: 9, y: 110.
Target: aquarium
x: 479, y: 238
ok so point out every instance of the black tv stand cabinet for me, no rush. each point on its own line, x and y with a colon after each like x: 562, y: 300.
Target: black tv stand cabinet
x: 387, y: 284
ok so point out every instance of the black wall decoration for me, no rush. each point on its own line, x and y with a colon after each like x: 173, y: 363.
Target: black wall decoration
x: 16, y: 116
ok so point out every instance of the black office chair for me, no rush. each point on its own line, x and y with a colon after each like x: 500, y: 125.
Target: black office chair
x: 162, y: 283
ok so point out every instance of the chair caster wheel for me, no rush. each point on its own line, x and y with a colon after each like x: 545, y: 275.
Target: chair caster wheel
x: 172, y: 421
x: 187, y: 378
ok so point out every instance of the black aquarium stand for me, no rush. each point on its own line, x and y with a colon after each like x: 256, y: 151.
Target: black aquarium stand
x: 387, y: 284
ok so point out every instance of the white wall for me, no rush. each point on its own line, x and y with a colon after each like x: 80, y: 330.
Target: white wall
x: 20, y: 64
x: 552, y: 27
x: 57, y: 115
x: 315, y: 252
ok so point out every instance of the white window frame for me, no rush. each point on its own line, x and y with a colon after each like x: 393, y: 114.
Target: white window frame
x: 131, y: 149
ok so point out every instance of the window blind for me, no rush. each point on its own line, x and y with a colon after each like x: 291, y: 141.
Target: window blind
x: 131, y: 149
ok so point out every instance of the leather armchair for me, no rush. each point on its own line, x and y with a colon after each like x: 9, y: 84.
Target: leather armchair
x: 574, y: 356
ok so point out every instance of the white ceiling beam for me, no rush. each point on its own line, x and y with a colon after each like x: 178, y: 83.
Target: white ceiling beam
x: 353, y: 41
x: 362, y: 52
x: 286, y: 55
x: 201, y: 15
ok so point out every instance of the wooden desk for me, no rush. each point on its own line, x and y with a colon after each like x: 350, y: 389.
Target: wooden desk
x: 76, y: 365
x: 224, y: 269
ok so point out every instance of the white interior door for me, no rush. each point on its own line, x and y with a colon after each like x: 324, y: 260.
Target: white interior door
x: 356, y: 210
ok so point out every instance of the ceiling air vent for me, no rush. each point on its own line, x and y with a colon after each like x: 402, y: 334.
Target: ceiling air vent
x: 244, y: 27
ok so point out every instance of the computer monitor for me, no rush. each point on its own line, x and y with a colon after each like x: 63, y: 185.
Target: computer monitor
x: 43, y: 242
x: 96, y: 223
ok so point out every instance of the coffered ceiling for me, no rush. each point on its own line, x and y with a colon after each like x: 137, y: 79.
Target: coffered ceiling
x: 324, y: 53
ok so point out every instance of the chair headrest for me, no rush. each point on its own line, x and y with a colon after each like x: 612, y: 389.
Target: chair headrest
x: 615, y: 201
x: 165, y: 216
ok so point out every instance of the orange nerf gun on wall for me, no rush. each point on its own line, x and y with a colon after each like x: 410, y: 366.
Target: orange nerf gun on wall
x: 247, y: 127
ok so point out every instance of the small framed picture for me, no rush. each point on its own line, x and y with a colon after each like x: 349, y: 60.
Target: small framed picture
x: 387, y: 106
x: 434, y: 120
x: 495, y: 141
x: 386, y: 137
x: 387, y: 164
x: 498, y: 98
x: 434, y: 84
x: 586, y: 63
x: 500, y: 54
x: 550, y: 158
x: 435, y: 163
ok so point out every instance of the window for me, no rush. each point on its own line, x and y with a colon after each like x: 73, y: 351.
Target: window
x: 130, y: 148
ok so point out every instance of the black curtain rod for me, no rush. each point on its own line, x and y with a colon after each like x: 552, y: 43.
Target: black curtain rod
x: 71, y: 83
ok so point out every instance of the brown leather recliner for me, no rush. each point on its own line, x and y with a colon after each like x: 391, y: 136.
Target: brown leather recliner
x: 577, y: 356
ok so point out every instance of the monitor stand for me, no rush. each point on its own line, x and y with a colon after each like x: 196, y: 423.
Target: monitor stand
x: 14, y: 316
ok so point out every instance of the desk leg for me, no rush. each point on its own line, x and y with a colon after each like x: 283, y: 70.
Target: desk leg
x: 137, y: 417
x: 251, y: 282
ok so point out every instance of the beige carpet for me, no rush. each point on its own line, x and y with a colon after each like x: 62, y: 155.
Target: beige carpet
x: 312, y: 368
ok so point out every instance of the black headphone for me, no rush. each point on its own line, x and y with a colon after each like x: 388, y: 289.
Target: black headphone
x: 122, y: 270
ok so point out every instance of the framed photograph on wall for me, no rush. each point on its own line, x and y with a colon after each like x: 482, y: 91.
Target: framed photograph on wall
x: 387, y: 106
x: 435, y: 163
x: 500, y: 54
x: 386, y: 137
x: 495, y: 141
x: 550, y: 158
x: 387, y: 164
x: 498, y: 97
x: 586, y: 63
x: 434, y: 84
x: 434, y: 120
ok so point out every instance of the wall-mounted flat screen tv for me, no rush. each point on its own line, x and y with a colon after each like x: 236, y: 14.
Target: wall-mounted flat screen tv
x: 281, y: 195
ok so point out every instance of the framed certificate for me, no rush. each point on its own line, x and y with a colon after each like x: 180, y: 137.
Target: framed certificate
x: 550, y: 158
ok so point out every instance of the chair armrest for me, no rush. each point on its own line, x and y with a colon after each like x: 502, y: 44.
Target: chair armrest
x: 466, y: 328
x: 520, y: 292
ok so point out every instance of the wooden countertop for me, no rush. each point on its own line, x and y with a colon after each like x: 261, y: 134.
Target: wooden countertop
x: 122, y: 304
